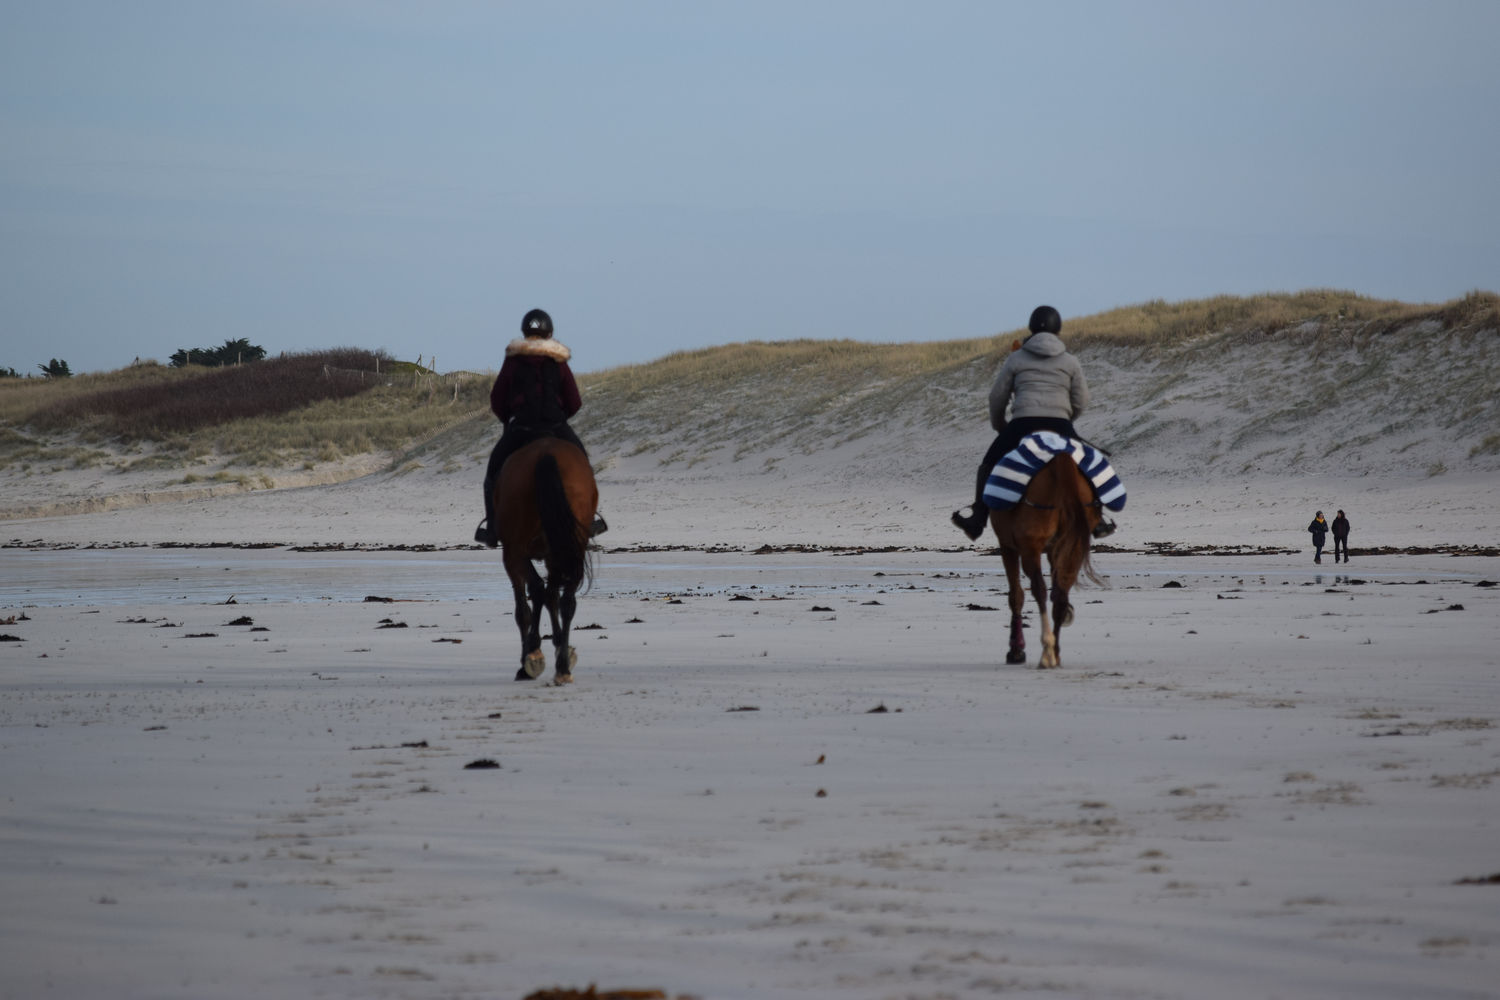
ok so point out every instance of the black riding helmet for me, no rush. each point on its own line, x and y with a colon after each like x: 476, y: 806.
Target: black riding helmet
x: 537, y: 324
x: 1045, y: 319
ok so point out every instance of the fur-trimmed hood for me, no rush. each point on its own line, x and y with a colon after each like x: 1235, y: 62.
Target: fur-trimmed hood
x: 537, y: 347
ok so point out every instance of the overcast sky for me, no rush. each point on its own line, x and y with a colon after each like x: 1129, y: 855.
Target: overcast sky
x: 668, y: 175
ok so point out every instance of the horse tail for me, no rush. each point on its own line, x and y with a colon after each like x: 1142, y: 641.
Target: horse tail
x: 567, y: 545
x: 1075, y: 537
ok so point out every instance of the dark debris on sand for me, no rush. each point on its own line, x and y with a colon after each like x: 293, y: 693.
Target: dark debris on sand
x: 591, y: 993
x: 1480, y: 880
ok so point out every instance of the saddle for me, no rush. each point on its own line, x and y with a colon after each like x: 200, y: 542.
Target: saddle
x: 1012, y: 474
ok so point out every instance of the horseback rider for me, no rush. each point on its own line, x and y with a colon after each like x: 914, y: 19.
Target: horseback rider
x: 534, y: 395
x: 1044, y: 387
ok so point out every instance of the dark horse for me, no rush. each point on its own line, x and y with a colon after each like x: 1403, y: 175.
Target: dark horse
x: 545, y: 500
x: 1056, y: 516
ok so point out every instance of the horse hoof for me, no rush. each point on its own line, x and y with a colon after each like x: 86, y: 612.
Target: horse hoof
x: 522, y: 675
x: 566, y: 661
x: 534, y: 664
x: 1016, y: 656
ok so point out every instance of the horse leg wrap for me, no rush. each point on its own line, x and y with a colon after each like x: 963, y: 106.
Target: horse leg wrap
x: 1017, y: 652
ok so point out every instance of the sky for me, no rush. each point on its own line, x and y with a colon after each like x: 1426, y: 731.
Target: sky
x: 663, y: 176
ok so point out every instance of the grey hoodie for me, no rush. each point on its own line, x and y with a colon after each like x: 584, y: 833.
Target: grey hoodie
x: 1040, y: 380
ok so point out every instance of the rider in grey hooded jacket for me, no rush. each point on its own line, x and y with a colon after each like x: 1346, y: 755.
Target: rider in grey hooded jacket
x: 1044, y: 388
x: 1041, y: 379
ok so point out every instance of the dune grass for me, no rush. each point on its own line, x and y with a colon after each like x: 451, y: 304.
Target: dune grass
x: 1327, y: 313
x: 1165, y: 323
x: 151, y: 410
x: 759, y: 393
x: 804, y: 393
x: 296, y: 409
x: 20, y: 398
x: 740, y: 399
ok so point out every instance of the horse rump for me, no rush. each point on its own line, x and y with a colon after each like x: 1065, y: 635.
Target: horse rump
x: 1071, y: 546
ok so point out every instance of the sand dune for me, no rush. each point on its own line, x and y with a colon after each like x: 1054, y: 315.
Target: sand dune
x: 804, y: 774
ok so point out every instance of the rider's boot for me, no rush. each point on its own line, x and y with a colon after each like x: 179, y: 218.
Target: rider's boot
x: 485, y: 535
x: 1104, y: 528
x: 973, y: 524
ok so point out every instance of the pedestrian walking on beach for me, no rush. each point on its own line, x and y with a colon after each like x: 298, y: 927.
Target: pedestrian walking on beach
x: 1319, y: 529
x: 1341, y: 537
x: 1044, y: 388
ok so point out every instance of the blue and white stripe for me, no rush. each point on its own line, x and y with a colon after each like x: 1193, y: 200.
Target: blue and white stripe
x: 1012, y: 474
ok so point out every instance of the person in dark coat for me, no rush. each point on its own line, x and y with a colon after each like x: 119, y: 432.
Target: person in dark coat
x: 1341, y: 537
x: 534, y: 395
x: 1319, y: 529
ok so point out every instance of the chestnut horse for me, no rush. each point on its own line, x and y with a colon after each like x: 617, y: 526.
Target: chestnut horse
x: 1056, y: 516
x: 545, y: 498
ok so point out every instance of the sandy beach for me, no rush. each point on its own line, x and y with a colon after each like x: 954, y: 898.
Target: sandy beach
x: 277, y: 277
x: 792, y: 774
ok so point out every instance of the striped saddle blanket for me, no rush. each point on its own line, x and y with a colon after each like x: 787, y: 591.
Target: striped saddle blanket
x: 1012, y: 474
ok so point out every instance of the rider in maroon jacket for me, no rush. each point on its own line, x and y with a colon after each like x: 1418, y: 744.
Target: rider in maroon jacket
x: 534, y: 395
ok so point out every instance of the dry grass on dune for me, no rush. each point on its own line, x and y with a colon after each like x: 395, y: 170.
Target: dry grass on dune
x: 1306, y: 383
x: 1160, y: 323
x: 211, y: 397
x: 756, y: 396
x: 22, y: 397
x: 1156, y: 323
x: 1151, y: 366
x: 1322, y: 314
x: 303, y: 408
x: 1260, y: 369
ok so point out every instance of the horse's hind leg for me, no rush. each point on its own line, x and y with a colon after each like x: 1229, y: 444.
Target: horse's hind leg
x: 1012, y: 561
x: 1062, y: 609
x: 1062, y: 614
x: 564, y: 655
x: 1031, y: 564
x: 529, y: 619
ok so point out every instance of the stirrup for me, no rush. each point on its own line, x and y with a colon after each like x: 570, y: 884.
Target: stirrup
x: 484, y: 536
x: 1104, y: 529
x: 599, y: 527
